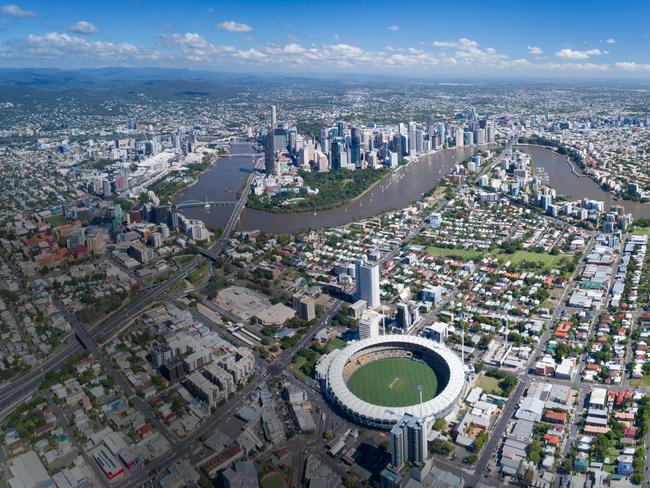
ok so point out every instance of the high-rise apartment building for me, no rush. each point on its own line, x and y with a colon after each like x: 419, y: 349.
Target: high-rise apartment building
x: 367, y: 276
x: 409, y: 441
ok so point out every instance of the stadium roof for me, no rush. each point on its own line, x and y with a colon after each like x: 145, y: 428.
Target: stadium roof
x: 440, y: 405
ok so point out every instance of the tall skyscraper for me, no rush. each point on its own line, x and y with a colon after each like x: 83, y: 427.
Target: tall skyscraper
x: 460, y: 137
x: 397, y: 145
x: 269, y: 152
x: 355, y: 147
x: 480, y: 136
x: 472, y: 116
x: 336, y: 154
x: 430, y: 126
x: 368, y: 283
x: 411, y: 133
x: 419, y: 140
x: 409, y: 441
x: 340, y: 129
x: 324, y: 141
x: 280, y: 138
x: 274, y: 115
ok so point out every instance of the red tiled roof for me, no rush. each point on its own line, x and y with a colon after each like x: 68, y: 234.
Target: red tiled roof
x: 552, y: 439
x: 554, y: 416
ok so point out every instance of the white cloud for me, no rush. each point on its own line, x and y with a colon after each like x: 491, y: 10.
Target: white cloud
x: 83, y: 27
x: 293, y: 48
x: 466, y: 43
x: 232, y: 26
x: 534, y: 50
x: 462, y: 43
x: 573, y: 67
x: 393, y: 28
x: 190, y: 49
x: 13, y: 10
x: 53, y: 47
x: 632, y: 66
x: 444, y: 44
x: 572, y: 54
x: 611, y: 40
x: 190, y: 39
x: 251, y: 55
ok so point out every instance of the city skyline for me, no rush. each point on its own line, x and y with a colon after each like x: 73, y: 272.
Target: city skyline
x: 335, y: 244
x: 207, y: 279
x: 500, y: 39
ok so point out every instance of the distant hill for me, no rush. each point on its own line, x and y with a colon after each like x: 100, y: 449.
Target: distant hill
x: 38, y: 83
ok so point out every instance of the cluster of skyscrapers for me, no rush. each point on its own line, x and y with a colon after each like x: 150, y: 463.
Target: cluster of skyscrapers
x: 345, y: 146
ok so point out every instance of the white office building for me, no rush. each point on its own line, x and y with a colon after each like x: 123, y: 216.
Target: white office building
x: 367, y: 276
x: 460, y: 137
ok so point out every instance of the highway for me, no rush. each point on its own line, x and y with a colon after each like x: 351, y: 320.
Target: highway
x: 214, y: 251
x: 20, y: 389
x: 91, y: 344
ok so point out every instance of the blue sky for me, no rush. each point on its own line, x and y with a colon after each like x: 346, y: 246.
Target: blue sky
x: 488, y: 38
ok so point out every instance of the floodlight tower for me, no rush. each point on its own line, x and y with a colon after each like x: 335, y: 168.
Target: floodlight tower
x: 420, y: 390
x: 462, y: 341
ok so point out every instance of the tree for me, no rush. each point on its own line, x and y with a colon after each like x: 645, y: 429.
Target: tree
x: 480, y: 441
x: 534, y: 451
x: 600, y: 447
x: 440, y: 425
x: 617, y: 429
x: 470, y: 459
x: 441, y: 446
x: 561, y: 351
x: 350, y: 482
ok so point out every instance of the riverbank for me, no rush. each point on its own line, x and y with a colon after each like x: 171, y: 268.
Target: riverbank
x: 565, y: 182
x: 333, y: 185
x: 398, y: 190
x: 342, y: 203
x: 554, y: 151
x: 580, y: 174
x: 167, y: 189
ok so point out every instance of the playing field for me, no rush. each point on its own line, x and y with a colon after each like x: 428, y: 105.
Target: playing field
x: 393, y: 382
